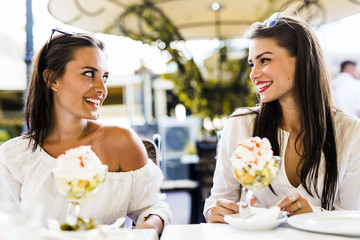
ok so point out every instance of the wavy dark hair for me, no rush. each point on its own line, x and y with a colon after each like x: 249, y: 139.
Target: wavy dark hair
x: 50, y: 62
x: 312, y: 84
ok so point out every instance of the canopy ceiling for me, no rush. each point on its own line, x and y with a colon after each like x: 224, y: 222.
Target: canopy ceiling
x: 194, y: 19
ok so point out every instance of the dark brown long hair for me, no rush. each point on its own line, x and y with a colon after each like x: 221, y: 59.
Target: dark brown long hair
x: 312, y: 84
x: 50, y: 61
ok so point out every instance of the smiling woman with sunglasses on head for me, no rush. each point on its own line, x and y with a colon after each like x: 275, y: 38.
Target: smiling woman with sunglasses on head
x: 67, y: 88
x: 318, y: 144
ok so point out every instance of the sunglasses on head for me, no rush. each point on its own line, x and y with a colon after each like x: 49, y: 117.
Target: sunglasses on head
x: 272, y: 20
x: 53, y: 31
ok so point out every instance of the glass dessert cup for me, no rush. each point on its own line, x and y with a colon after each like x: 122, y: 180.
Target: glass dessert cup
x: 78, y: 189
x: 252, y: 180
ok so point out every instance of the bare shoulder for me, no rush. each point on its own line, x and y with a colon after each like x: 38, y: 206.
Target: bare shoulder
x: 119, y: 133
x: 123, y: 148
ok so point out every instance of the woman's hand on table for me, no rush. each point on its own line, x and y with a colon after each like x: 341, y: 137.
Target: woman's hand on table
x: 223, y: 207
x: 295, y: 204
x: 153, y: 222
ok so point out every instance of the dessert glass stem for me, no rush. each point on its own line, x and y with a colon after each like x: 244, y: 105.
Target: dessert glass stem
x: 246, y: 210
x: 73, y: 212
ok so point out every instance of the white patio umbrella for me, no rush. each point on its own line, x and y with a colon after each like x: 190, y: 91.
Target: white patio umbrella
x: 194, y: 19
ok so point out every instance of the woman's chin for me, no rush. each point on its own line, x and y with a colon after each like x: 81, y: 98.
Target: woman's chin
x: 265, y: 99
x: 94, y: 116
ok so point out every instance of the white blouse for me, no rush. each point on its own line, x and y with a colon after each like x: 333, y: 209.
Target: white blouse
x: 27, y: 184
x: 239, y: 128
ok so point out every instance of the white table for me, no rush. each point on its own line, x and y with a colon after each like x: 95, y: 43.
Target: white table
x: 15, y: 226
x: 120, y: 234
x: 208, y: 231
x: 123, y: 234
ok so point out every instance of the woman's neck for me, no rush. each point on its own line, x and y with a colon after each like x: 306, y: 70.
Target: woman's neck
x: 291, y: 117
x: 69, y: 130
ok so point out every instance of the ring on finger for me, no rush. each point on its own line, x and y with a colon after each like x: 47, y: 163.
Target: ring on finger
x: 298, y: 205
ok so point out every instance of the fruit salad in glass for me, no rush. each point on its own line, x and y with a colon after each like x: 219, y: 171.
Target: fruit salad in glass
x: 78, y: 175
x: 255, y: 167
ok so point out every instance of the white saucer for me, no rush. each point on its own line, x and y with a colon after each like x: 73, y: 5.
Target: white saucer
x: 235, y: 221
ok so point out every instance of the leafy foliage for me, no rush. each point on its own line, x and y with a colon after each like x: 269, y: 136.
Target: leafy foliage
x: 10, y: 128
x: 215, y: 96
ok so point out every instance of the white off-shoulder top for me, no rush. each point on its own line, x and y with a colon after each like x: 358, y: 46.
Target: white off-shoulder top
x: 26, y: 184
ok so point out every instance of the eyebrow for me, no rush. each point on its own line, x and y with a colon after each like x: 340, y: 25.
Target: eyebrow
x: 94, y: 69
x: 260, y: 55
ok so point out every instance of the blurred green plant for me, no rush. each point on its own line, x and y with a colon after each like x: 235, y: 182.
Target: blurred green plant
x: 10, y: 128
x: 4, y: 135
x: 190, y: 148
x: 215, y: 96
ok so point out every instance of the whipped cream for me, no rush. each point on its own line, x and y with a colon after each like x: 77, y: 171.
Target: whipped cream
x: 78, y: 163
x: 253, y: 151
x: 253, y: 162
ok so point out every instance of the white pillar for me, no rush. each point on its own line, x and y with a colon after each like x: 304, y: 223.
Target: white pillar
x: 148, y: 98
x: 130, y: 101
x: 160, y: 88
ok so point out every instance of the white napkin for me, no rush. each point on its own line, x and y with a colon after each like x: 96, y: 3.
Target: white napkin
x: 264, y: 215
x: 116, y: 225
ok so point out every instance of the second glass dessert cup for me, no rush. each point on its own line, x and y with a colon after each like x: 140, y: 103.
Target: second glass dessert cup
x: 251, y: 180
x: 78, y: 189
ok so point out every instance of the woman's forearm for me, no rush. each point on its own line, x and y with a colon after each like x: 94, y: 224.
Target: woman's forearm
x: 153, y: 222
